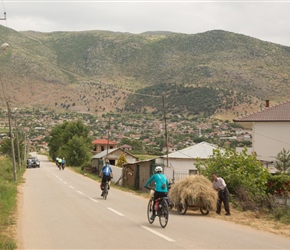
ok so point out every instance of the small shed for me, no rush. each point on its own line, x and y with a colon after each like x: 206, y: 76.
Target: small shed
x: 112, y: 155
x: 136, y: 174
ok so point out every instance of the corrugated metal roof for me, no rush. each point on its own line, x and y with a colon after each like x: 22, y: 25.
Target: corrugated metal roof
x: 201, y: 150
x: 276, y: 113
x: 104, y: 153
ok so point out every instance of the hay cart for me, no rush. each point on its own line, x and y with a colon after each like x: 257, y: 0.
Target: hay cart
x: 193, y: 204
x: 194, y: 192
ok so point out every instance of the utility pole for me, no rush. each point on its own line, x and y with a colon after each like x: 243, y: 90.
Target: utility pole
x: 17, y: 141
x: 12, y: 142
x: 165, y: 128
x: 3, y: 47
x: 108, y: 135
x: 25, y: 147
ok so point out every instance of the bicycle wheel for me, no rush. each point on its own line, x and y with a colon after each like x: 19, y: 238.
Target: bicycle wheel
x: 204, y: 210
x: 150, y: 211
x: 105, y: 192
x: 164, y: 213
x: 182, y: 208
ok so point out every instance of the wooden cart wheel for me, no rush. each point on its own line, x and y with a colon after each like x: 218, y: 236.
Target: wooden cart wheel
x: 204, y: 210
x: 182, y: 208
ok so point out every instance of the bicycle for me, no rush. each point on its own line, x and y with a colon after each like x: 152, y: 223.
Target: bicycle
x: 106, y: 190
x: 162, y: 210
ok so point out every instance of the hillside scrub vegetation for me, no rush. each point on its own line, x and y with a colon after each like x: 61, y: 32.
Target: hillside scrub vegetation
x: 211, y: 72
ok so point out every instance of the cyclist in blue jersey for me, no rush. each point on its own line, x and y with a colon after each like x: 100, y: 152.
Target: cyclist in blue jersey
x: 161, y: 186
x: 106, y: 174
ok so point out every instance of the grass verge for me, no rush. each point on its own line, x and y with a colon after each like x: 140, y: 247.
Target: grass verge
x: 8, y: 203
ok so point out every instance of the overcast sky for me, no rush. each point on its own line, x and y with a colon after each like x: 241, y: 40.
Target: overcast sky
x: 265, y: 20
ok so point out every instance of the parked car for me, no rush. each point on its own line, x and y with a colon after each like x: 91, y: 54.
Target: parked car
x: 33, y: 162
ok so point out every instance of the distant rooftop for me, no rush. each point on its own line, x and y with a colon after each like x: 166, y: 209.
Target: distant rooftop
x: 276, y: 113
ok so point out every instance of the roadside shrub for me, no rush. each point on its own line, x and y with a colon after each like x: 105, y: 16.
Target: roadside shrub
x: 282, y: 213
x: 246, y: 178
x: 8, y: 193
x: 279, y: 185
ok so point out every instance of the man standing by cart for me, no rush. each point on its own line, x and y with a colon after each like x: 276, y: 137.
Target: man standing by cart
x: 223, y: 194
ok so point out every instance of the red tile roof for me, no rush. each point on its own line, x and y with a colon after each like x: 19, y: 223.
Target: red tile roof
x: 276, y: 113
x: 104, y: 142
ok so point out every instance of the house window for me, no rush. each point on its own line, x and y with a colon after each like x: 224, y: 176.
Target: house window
x: 192, y: 171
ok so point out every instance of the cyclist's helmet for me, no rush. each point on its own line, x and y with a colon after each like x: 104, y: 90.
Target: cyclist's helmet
x: 158, y: 169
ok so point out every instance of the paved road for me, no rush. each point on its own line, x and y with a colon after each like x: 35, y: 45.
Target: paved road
x: 64, y: 210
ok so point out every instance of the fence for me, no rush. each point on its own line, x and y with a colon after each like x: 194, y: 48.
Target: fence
x: 180, y: 174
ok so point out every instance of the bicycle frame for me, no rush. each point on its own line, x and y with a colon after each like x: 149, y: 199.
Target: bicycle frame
x: 162, y: 211
x: 106, y: 191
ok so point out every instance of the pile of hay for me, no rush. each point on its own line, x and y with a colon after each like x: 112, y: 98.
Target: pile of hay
x: 194, y: 187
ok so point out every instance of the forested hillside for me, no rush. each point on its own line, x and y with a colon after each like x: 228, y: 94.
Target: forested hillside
x: 101, y: 71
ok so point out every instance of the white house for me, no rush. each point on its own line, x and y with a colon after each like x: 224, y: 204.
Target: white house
x: 112, y: 155
x: 181, y: 162
x: 270, y: 131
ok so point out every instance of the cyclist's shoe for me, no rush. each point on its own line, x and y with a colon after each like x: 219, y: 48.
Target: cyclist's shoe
x: 102, y: 194
x: 152, y: 217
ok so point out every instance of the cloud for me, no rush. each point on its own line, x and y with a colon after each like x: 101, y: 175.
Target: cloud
x: 267, y: 21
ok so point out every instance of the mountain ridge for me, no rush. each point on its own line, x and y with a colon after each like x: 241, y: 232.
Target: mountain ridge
x: 98, y: 71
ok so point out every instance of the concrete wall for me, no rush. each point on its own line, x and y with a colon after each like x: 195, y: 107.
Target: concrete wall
x: 269, y: 138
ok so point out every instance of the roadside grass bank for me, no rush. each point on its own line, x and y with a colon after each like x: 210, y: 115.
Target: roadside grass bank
x: 8, y: 203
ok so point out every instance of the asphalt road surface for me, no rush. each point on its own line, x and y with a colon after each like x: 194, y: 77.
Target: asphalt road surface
x: 64, y: 210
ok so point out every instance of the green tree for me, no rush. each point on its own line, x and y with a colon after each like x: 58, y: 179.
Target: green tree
x: 136, y: 145
x: 283, y: 161
x: 125, y: 140
x: 72, y: 141
x: 121, y: 160
x: 75, y: 151
x: 243, y: 173
x: 5, y: 148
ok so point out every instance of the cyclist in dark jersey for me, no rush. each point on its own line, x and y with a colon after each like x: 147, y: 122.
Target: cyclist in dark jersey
x: 106, y: 174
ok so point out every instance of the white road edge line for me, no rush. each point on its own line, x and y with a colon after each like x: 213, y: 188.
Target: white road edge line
x: 158, y: 234
x: 116, y: 212
x: 92, y: 199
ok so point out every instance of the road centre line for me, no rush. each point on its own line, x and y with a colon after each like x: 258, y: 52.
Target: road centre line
x: 116, y: 212
x: 92, y: 199
x: 71, y: 187
x: 80, y: 192
x: 158, y: 234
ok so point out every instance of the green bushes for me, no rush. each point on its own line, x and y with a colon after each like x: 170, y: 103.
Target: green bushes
x: 279, y: 185
x: 246, y: 178
x: 282, y: 214
x: 8, y: 194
